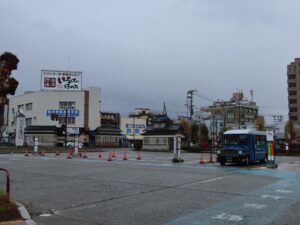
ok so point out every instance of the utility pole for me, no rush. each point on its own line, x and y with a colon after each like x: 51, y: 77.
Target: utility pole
x: 66, y: 124
x: 190, y: 109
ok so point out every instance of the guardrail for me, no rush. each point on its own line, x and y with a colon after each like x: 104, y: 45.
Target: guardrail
x: 7, y: 183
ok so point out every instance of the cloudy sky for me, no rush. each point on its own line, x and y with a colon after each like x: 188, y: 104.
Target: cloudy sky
x: 142, y: 53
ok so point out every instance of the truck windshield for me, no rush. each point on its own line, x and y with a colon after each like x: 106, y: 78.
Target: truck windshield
x: 236, y: 139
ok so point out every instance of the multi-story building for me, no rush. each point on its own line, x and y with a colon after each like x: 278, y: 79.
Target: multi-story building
x: 237, y: 113
x: 82, y: 107
x: 293, y: 81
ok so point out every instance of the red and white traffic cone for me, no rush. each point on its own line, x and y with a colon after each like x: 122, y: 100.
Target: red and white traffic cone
x: 110, y: 158
x: 43, y: 153
x: 99, y: 155
x: 84, y: 155
x: 57, y: 153
x: 138, y: 156
x: 125, y: 156
x: 26, y: 152
x: 201, y: 159
x: 113, y: 154
x: 69, y: 156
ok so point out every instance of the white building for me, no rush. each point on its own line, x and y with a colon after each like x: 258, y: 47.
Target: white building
x: 132, y: 128
x: 83, y: 108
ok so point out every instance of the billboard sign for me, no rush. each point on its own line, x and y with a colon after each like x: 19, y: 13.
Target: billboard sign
x: 61, y: 80
x: 62, y: 112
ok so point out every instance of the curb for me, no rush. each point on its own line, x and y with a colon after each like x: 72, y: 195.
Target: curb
x: 25, y: 215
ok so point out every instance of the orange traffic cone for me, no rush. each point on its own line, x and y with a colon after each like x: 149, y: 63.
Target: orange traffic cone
x: 113, y: 154
x: 125, y: 156
x: 138, y: 156
x: 99, y: 155
x: 110, y: 158
x: 69, y: 156
x: 43, y: 153
x: 84, y: 155
x: 57, y: 153
x: 26, y: 152
x: 201, y: 159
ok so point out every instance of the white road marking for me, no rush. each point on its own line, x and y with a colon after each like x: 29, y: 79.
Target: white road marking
x: 84, y: 207
x: 201, y: 182
x: 254, y: 206
x: 272, y: 197
x: 283, y: 191
x: 45, y: 215
x: 4, y: 162
x: 206, y: 181
x: 224, y: 216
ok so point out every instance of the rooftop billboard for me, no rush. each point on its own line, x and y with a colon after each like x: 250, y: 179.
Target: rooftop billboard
x: 61, y: 80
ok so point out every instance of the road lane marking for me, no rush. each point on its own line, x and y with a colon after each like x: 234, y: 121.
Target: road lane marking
x: 254, y: 206
x: 224, y: 216
x: 201, y: 182
x: 4, y: 162
x: 45, y: 215
x: 206, y: 181
x: 271, y: 196
x: 283, y: 191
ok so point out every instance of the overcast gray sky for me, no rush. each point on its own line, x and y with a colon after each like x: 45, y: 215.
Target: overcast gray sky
x: 144, y: 52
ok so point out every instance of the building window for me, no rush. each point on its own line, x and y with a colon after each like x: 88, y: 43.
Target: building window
x: 295, y: 118
x: 20, y: 107
x: 294, y: 109
x: 292, y: 76
x: 62, y: 120
x: 128, y: 131
x: 67, y: 105
x: 292, y: 85
x: 291, y: 93
x: 28, y: 121
x: 28, y: 107
x: 293, y: 101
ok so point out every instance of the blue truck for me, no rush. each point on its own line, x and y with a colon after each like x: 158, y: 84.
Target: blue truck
x: 244, y: 146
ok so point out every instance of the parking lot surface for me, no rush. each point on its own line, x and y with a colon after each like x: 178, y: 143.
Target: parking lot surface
x: 153, y: 190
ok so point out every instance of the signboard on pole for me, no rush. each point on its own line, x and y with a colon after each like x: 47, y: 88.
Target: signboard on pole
x: 20, y: 130
x: 61, y: 80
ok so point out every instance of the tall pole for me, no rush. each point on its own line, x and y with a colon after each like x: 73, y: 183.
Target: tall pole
x: 66, y: 123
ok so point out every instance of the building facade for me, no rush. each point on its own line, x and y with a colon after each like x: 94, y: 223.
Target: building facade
x: 237, y: 113
x: 78, y: 110
x: 293, y: 82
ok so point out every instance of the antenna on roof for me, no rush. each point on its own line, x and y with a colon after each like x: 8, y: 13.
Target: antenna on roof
x: 165, y: 109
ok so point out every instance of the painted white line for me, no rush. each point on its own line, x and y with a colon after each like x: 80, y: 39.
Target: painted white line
x: 84, y: 207
x: 271, y: 196
x: 45, y: 215
x: 4, y: 162
x: 283, y: 191
x: 206, y: 181
x: 254, y: 206
x: 224, y: 216
x: 201, y: 182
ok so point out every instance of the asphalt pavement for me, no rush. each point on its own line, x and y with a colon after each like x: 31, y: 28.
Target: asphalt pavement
x: 153, y: 190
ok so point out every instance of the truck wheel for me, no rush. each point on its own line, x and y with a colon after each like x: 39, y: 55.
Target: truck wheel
x: 247, y: 160
x: 222, y: 161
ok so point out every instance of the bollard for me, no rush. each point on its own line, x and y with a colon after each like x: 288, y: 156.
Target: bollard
x: 7, y: 183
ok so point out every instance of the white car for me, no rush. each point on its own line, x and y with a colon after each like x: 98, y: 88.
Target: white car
x: 71, y: 144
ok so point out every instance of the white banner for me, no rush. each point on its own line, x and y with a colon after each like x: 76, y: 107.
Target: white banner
x: 20, y: 131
